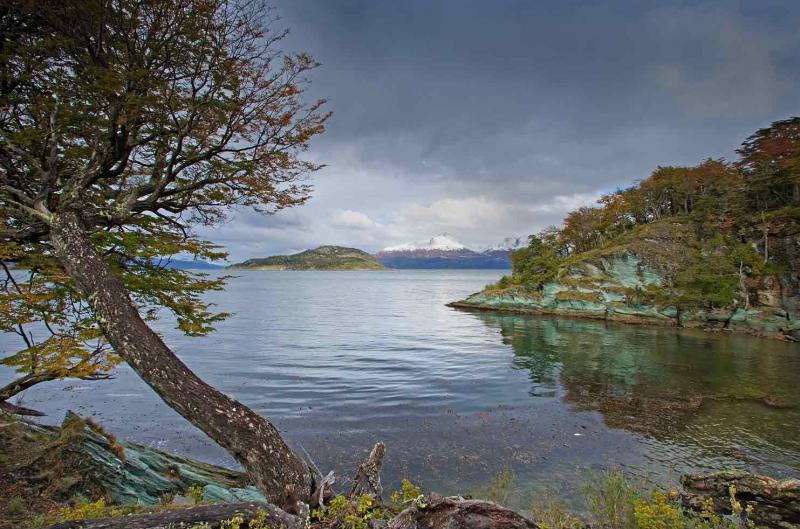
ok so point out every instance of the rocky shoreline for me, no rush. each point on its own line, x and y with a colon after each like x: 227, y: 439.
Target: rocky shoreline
x: 613, y: 288
x: 134, y: 486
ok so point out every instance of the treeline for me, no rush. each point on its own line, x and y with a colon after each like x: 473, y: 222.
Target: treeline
x: 745, y: 201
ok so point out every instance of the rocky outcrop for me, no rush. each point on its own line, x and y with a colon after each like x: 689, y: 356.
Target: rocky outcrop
x: 80, y: 458
x: 617, y: 284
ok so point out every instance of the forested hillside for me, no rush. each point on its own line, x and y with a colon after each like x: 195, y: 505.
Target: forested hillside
x: 716, y: 244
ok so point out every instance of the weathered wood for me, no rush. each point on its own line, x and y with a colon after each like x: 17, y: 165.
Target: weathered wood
x: 213, y: 515
x: 368, y: 476
x: 253, y: 441
x: 436, y: 512
x: 774, y: 503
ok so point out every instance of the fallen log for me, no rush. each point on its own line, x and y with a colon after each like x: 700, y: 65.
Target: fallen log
x: 771, y: 503
x: 213, y: 515
x: 368, y: 476
x: 454, y: 512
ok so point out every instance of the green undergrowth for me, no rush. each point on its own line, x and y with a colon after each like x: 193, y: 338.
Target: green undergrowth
x: 611, y: 501
x: 358, y: 513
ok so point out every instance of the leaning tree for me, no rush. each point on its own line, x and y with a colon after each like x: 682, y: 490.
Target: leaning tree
x: 123, y: 124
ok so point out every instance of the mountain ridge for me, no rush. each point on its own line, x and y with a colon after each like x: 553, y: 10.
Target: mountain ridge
x: 443, y: 251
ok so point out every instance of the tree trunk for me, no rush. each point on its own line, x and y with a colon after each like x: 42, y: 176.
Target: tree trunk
x: 284, y: 478
x: 743, y: 286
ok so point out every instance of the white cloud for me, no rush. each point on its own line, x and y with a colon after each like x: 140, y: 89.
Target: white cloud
x: 563, y: 204
x: 453, y: 214
x: 353, y: 220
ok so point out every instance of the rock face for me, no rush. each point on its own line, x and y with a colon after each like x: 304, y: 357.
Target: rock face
x: 613, y: 284
x: 322, y: 258
x: 125, y: 472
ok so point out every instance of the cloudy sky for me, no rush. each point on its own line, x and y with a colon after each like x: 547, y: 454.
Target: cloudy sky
x: 489, y: 119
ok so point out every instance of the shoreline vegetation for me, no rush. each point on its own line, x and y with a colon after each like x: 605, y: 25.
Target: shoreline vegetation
x: 713, y: 246
x: 80, y: 476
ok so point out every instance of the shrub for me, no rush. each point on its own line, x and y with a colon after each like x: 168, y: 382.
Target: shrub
x: 407, y: 493
x: 610, y: 499
x: 196, y: 493
x: 551, y: 513
x: 500, y: 487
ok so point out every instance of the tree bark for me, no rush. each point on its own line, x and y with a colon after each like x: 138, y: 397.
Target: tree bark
x: 284, y: 478
x: 213, y: 515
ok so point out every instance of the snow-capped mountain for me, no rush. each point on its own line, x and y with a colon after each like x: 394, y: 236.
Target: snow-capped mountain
x: 443, y: 241
x: 509, y: 244
x: 444, y: 251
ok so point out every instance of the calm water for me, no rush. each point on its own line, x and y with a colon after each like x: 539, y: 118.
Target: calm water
x: 339, y: 360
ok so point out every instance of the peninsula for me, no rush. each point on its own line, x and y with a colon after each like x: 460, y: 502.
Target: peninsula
x: 713, y: 246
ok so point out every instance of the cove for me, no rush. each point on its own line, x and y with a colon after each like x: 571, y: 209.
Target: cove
x: 340, y: 360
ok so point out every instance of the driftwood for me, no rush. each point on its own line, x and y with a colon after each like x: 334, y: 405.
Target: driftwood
x: 774, y: 503
x: 436, y: 512
x: 368, y: 476
x: 213, y: 515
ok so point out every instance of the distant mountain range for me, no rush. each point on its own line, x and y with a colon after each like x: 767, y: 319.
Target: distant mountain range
x: 444, y: 251
x: 322, y: 258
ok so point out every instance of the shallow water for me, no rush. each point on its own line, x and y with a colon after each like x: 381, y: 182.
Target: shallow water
x: 339, y: 360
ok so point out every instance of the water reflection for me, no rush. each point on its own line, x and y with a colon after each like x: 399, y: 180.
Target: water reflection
x: 341, y: 360
x: 728, y: 396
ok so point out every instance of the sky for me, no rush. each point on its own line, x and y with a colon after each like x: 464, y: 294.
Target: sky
x: 493, y: 119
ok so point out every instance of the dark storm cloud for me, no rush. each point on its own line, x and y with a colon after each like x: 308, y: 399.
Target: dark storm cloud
x: 508, y: 88
x: 516, y: 101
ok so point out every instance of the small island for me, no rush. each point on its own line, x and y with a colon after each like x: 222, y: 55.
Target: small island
x: 323, y: 258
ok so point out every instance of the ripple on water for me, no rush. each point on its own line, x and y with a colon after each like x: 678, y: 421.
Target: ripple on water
x: 341, y: 360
